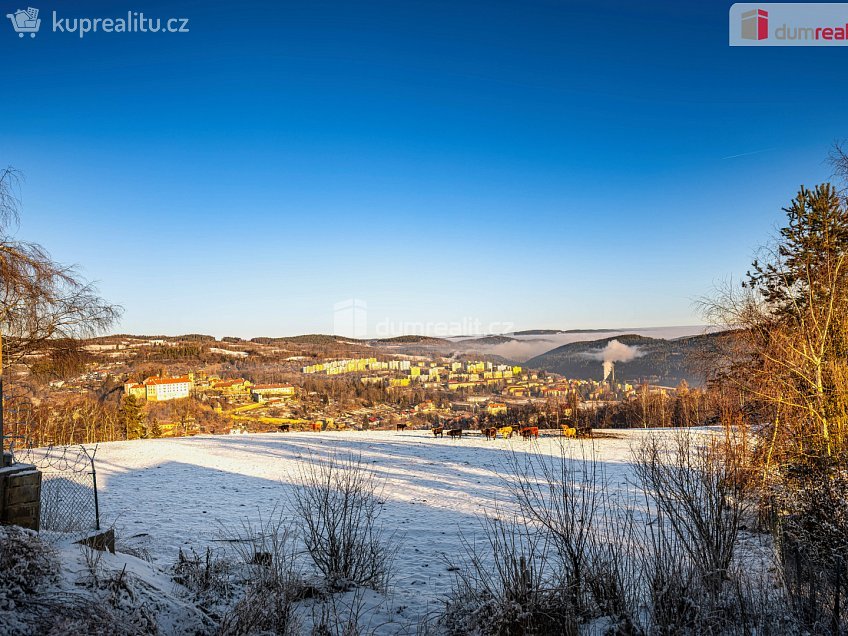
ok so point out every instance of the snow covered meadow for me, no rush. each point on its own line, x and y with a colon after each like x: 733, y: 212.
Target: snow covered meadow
x: 200, y: 498
x: 166, y: 494
x: 179, y: 492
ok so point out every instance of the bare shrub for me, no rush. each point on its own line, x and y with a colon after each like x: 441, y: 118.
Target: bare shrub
x: 26, y: 563
x: 673, y: 588
x: 569, y: 500
x: 206, y: 576
x: 676, y: 575
x: 261, y: 611
x: 509, y: 585
x: 267, y: 549
x: 680, y: 601
x: 111, y: 600
x: 757, y: 604
x: 274, y: 582
x: 699, y: 483
x: 339, y: 616
x: 613, y: 566
x: 92, y: 560
x: 338, y: 508
x: 812, y: 539
x: 562, y: 496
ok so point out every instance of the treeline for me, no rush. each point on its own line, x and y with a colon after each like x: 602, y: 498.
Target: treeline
x: 684, y: 407
x: 87, y: 419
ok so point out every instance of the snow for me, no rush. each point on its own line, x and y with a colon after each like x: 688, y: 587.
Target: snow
x: 228, y: 352
x: 163, y: 495
x: 60, y: 586
x: 186, y: 493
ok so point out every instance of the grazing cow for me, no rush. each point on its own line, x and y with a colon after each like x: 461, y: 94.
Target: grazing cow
x: 284, y: 428
x: 438, y: 431
x: 401, y: 427
x: 530, y: 431
x: 506, y: 431
x: 490, y: 433
x: 455, y: 433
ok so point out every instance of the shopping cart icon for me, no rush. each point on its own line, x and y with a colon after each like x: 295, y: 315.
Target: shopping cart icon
x: 25, y: 21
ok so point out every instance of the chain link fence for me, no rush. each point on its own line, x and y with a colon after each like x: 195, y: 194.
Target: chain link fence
x: 69, y: 501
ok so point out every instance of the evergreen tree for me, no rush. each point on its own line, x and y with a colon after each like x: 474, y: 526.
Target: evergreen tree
x: 132, y: 418
x: 153, y: 429
x: 809, y: 256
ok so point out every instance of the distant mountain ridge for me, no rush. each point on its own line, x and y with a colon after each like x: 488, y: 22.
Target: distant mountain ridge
x: 658, y: 361
x: 485, y: 340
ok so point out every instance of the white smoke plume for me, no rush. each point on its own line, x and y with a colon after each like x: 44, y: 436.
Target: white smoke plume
x: 615, y: 351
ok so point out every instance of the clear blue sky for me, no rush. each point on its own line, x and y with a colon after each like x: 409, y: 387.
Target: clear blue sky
x: 549, y: 164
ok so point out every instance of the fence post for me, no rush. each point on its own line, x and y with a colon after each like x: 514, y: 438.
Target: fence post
x: 94, y: 485
x: 96, y: 500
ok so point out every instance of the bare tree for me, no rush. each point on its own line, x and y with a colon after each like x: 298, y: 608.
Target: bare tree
x: 839, y: 161
x: 40, y: 299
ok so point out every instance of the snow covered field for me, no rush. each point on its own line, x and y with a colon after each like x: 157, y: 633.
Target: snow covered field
x: 167, y: 494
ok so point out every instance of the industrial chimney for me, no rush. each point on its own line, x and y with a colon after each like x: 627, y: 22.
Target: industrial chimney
x: 609, y: 372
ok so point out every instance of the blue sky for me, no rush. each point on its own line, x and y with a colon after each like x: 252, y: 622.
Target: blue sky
x: 547, y: 164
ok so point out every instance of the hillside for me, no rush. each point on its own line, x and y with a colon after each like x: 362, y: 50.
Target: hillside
x: 656, y: 360
x: 485, y: 340
x: 413, y: 339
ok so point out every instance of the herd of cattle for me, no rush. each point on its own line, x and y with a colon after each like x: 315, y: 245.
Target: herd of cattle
x: 492, y: 432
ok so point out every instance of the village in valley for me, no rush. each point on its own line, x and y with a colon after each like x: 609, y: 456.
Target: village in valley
x: 195, y: 385
x: 424, y: 319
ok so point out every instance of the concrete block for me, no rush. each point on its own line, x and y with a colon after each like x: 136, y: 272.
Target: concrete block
x: 102, y: 541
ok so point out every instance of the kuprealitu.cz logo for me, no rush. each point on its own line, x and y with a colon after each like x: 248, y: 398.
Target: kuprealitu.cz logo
x: 27, y: 22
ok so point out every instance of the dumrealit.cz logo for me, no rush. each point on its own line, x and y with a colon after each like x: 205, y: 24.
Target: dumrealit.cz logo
x: 755, y: 24
x: 789, y: 24
x: 27, y: 21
